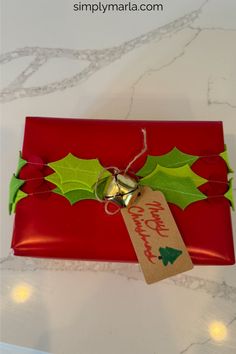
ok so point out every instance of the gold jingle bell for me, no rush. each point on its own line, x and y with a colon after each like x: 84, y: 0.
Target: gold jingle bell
x: 121, y: 189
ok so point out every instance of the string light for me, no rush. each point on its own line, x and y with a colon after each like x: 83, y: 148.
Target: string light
x: 218, y: 331
x: 21, y: 293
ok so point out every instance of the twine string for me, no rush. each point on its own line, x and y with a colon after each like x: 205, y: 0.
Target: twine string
x: 169, y: 189
x: 136, y: 157
x: 119, y: 171
x: 144, y: 149
x: 37, y: 163
x: 106, y: 208
x: 116, y: 171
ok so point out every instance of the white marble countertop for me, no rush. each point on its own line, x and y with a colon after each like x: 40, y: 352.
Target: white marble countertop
x: 175, y: 64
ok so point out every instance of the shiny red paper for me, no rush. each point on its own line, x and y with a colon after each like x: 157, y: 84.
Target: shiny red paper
x: 46, y: 225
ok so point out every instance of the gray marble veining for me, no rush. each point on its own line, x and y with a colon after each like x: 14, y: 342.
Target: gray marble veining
x: 207, y: 341
x: 131, y: 271
x: 96, y: 59
x: 211, y: 100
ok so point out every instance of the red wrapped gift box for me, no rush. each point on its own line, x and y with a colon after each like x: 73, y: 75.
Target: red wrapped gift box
x: 46, y: 225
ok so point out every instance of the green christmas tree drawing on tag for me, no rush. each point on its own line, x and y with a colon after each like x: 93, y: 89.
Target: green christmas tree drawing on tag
x: 169, y: 255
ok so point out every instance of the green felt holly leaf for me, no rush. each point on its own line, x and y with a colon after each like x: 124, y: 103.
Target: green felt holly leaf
x: 15, y: 185
x: 225, y: 157
x: 169, y: 255
x: 73, y: 169
x: 179, y: 185
x: 19, y: 195
x: 181, y: 172
x: 21, y: 163
x: 174, y: 158
x: 229, y: 194
x: 68, y: 186
x: 75, y: 196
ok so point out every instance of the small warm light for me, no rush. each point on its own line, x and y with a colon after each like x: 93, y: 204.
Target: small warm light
x: 218, y: 331
x: 21, y: 293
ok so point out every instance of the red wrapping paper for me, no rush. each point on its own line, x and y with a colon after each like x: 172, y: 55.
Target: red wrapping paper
x: 46, y: 225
